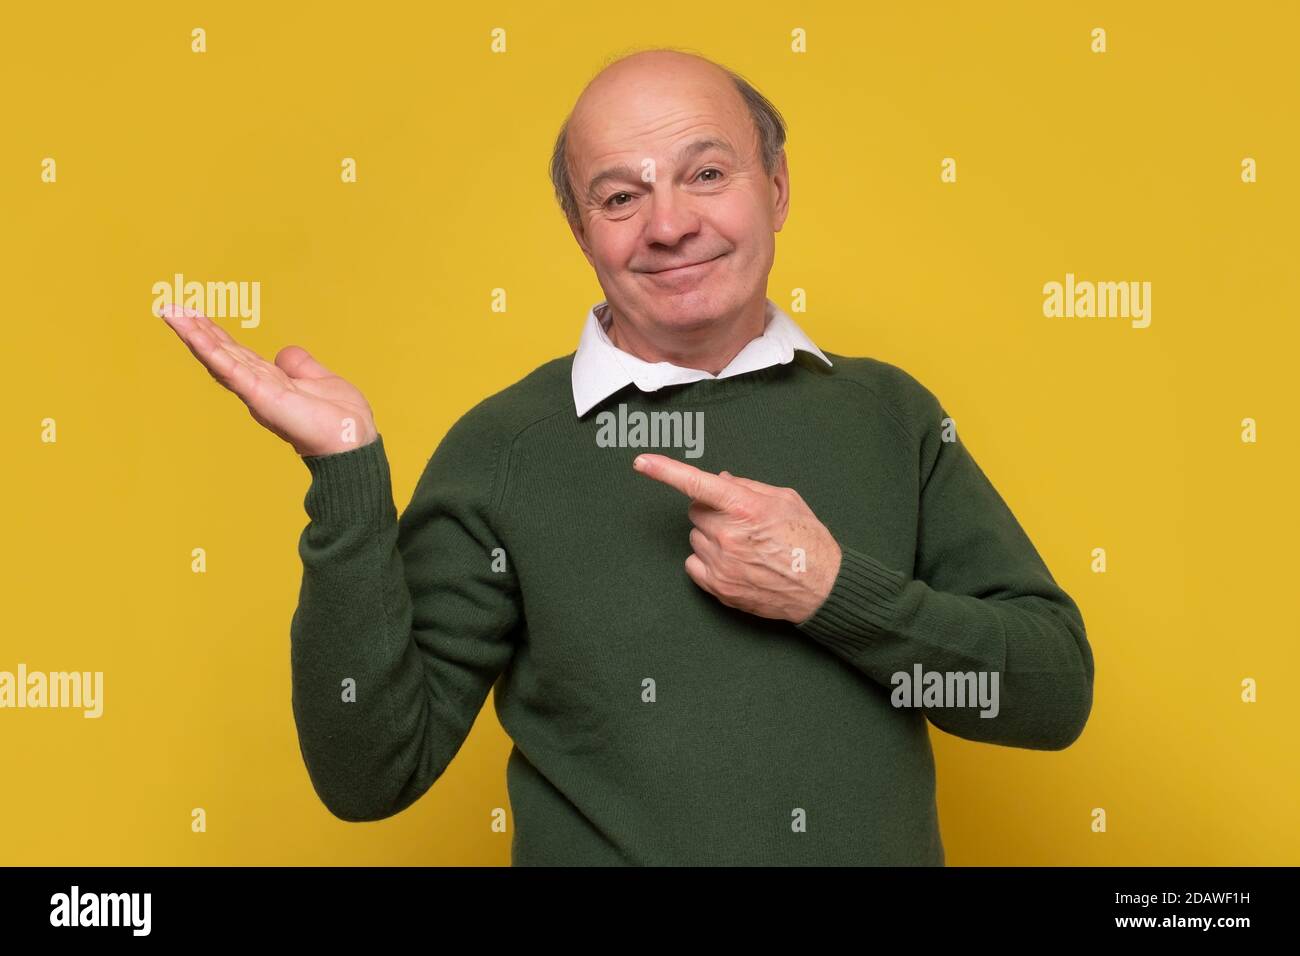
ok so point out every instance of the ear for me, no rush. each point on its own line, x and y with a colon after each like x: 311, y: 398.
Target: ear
x: 781, y: 194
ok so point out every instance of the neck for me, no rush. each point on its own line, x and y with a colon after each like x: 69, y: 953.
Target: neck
x: 710, y: 347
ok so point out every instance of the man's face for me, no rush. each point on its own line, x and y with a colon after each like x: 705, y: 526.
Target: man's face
x: 694, y: 246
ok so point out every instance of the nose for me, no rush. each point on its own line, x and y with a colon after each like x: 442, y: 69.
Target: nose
x: 672, y: 216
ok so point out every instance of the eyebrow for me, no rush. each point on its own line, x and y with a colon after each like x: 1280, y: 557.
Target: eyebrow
x: 625, y: 172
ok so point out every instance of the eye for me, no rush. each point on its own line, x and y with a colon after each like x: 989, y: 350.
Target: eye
x: 611, y: 204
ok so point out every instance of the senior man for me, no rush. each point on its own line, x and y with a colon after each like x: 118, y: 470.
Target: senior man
x: 727, y: 660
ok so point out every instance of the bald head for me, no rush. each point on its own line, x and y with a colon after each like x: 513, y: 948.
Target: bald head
x: 649, y: 78
x: 660, y: 68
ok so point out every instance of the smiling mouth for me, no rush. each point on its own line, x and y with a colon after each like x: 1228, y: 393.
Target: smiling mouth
x: 691, y: 265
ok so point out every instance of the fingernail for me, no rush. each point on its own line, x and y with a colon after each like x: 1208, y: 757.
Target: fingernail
x: 639, y: 463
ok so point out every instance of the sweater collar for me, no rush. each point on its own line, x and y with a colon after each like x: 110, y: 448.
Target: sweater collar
x: 600, y: 368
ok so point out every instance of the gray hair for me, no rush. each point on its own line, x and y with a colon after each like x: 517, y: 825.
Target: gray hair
x: 768, y: 123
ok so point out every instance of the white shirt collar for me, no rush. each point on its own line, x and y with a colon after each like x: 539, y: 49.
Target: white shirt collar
x: 600, y: 368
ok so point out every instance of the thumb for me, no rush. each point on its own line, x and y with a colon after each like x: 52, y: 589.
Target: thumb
x: 296, y: 362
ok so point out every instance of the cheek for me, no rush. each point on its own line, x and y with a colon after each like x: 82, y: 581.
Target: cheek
x: 615, y: 253
x: 747, y: 229
x: 609, y: 246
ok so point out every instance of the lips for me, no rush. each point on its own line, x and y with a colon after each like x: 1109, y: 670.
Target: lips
x: 683, y: 266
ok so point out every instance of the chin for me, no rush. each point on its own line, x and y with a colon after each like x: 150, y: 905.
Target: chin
x: 689, y: 308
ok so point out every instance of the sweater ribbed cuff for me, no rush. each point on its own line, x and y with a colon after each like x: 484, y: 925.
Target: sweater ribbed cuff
x: 862, y: 604
x: 352, y: 485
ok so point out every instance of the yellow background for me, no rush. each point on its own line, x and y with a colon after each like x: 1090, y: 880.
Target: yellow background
x: 225, y: 166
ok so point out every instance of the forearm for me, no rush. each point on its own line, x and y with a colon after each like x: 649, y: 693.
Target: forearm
x: 403, y: 624
x: 359, y: 698
x: 886, y: 623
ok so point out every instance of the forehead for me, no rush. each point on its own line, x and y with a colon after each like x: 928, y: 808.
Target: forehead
x: 648, y: 113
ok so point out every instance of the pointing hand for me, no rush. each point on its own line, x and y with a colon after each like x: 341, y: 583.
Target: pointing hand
x: 745, y: 539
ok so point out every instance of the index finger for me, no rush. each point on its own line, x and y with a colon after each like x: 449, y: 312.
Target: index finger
x: 702, y: 486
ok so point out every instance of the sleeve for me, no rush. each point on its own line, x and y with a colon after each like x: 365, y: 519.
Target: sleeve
x: 402, y: 624
x: 979, y: 599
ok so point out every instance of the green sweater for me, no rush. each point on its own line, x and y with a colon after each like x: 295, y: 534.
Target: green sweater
x: 651, y: 723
